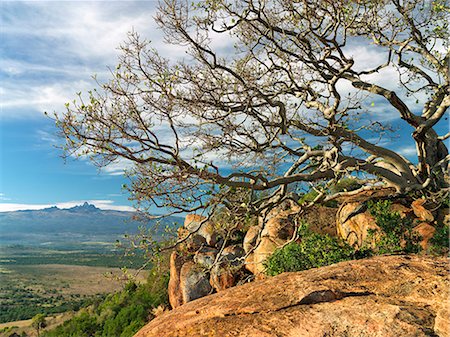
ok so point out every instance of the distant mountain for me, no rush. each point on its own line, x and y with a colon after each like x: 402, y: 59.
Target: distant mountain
x: 85, y: 208
x: 82, y: 224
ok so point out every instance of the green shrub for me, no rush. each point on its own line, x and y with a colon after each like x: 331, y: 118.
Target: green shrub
x: 83, y: 324
x: 345, y: 185
x: 308, y: 197
x: 440, y: 243
x: 120, y: 314
x: 396, y: 234
x: 311, y: 195
x: 314, y: 250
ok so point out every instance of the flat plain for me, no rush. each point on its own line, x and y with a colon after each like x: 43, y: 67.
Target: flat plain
x: 29, y: 285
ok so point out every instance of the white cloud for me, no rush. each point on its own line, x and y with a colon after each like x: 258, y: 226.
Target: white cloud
x: 366, y: 56
x: 407, y: 151
x: 69, y: 42
x: 84, y: 29
x: 14, y: 67
x: 118, y: 167
x: 3, y: 197
x: 27, y: 101
x: 102, y: 204
x: 47, y: 137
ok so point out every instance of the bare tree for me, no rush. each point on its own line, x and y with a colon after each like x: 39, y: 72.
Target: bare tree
x: 281, y: 103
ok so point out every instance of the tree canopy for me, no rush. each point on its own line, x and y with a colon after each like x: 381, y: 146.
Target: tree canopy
x: 270, y: 95
x: 39, y: 322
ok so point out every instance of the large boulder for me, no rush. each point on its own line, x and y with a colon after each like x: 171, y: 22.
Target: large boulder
x: 226, y: 273
x: 420, y: 211
x: 190, y: 242
x: 196, y: 270
x: 442, y: 321
x: 321, y: 219
x: 354, y: 223
x: 262, y: 240
x: 173, y: 288
x: 426, y: 232
x: 251, y: 238
x: 194, y: 282
x: 385, y: 296
x: 443, y: 216
x: 254, y: 261
x: 279, y: 227
x: 222, y: 277
x: 205, y: 257
x: 197, y: 225
x: 233, y: 254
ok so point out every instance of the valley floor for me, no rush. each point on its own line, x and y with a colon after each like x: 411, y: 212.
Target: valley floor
x: 25, y: 325
x: 26, y: 290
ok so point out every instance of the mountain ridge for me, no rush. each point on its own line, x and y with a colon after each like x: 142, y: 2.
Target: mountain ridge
x: 81, y: 223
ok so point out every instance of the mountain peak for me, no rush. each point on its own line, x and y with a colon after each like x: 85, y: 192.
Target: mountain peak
x: 51, y: 209
x: 86, y: 207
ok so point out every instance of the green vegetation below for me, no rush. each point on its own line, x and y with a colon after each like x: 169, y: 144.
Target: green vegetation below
x: 121, y: 314
x: 440, y: 242
x: 20, y: 255
x: 27, y: 305
x: 396, y: 235
x: 314, y: 250
x: 39, y: 280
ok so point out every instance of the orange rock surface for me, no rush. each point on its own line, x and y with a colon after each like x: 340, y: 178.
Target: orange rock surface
x: 383, y: 296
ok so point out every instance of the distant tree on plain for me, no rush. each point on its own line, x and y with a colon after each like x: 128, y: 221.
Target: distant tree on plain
x: 39, y: 322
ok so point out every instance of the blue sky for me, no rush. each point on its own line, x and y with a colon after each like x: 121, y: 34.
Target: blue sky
x: 48, y: 52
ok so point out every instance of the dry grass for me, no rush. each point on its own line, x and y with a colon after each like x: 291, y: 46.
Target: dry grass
x: 68, y: 279
x: 52, y: 322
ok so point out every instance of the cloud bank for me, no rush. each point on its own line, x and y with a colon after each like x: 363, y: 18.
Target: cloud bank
x: 102, y: 204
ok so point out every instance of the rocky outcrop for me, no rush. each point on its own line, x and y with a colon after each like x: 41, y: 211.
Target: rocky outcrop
x: 426, y: 232
x: 205, y: 257
x: 202, y: 264
x: 383, y: 296
x: 262, y: 240
x: 226, y: 272
x: 278, y: 228
x: 420, y: 211
x: 194, y: 282
x: 443, y: 216
x: 251, y: 238
x: 354, y: 221
x: 196, y: 224
x: 321, y: 219
x: 254, y: 261
x: 173, y: 288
